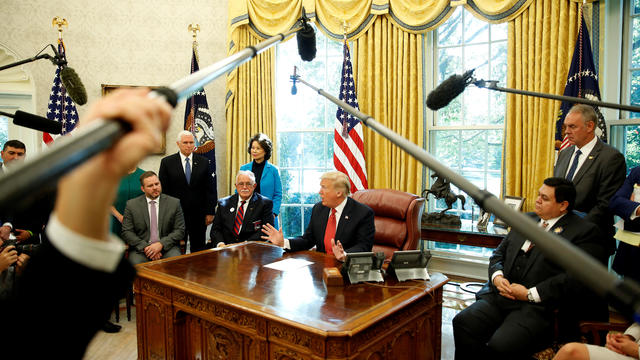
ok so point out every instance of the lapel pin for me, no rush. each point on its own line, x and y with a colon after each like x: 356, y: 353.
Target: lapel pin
x: 232, y: 210
x: 558, y: 230
x: 346, y: 217
x: 590, y: 157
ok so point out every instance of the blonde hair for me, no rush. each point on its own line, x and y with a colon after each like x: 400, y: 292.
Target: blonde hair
x: 340, y: 181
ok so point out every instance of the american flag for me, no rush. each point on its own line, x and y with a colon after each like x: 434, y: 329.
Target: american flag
x: 348, y: 146
x: 197, y: 120
x: 61, y: 108
x: 582, y: 81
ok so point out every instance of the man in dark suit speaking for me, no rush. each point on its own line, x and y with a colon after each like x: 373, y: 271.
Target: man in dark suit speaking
x: 338, y: 224
x: 513, y: 314
x: 240, y: 217
x: 596, y: 169
x: 153, y: 224
x: 185, y: 175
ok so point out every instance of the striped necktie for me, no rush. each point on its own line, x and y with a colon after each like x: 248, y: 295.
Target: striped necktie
x: 239, y: 217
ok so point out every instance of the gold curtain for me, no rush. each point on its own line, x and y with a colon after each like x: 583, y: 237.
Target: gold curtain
x: 540, y: 47
x: 250, y: 103
x: 389, y: 87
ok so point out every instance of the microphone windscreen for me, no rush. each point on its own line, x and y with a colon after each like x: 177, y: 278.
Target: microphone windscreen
x: 306, y: 42
x: 448, y: 90
x: 36, y: 122
x: 74, y: 86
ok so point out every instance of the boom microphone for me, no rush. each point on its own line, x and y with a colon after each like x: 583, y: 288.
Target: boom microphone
x: 448, y: 90
x: 294, y: 78
x: 74, y: 86
x: 35, y: 122
x: 306, y: 39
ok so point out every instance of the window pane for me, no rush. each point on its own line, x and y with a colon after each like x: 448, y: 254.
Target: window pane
x: 476, y: 106
x: 291, y: 221
x: 475, y: 30
x: 635, y: 92
x: 450, y: 32
x: 494, y: 152
x: 329, y: 149
x: 451, y: 114
x: 449, y: 62
x: 290, y: 149
x: 635, y: 48
x: 474, y: 146
x: 636, y: 7
x: 499, y: 62
x: 307, y: 216
x: 499, y: 32
x: 4, y: 130
x: 477, y: 57
x: 311, y: 186
x: 447, y: 145
x: 314, y: 149
x: 290, y: 186
x: 632, y: 146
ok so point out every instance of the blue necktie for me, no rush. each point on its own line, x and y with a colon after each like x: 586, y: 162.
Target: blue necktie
x: 574, y: 166
x: 187, y: 171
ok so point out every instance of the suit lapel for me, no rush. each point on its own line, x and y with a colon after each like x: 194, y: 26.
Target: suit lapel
x: 250, y: 207
x: 145, y: 211
x: 162, y: 212
x: 588, y: 162
x: 517, y: 245
x: 563, y: 163
x: 344, y: 219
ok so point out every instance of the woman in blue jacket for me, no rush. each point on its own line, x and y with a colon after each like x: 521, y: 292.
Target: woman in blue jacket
x: 267, y: 175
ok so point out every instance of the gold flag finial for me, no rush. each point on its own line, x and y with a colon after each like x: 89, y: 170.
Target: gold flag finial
x: 59, y: 22
x: 345, y: 25
x: 194, y: 28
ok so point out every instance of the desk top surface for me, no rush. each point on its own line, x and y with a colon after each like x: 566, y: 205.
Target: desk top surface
x: 236, y: 276
x: 469, y: 227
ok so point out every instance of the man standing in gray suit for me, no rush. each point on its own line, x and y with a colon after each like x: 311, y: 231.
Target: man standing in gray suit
x: 596, y: 169
x: 153, y: 224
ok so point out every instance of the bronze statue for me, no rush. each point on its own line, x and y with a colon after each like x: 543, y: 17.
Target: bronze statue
x: 441, y: 189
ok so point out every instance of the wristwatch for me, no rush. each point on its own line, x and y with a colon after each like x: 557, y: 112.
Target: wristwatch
x: 530, y: 296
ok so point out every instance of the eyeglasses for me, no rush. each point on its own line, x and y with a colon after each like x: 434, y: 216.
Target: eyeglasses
x: 242, y: 184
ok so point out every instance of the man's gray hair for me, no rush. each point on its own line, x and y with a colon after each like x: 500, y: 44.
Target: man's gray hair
x: 587, y: 112
x: 340, y: 181
x: 246, y: 173
x: 184, y: 132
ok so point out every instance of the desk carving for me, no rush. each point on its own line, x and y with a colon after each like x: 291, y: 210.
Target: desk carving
x: 226, y: 304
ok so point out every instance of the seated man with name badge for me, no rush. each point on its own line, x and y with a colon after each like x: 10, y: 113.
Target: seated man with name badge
x: 153, y: 223
x: 240, y: 217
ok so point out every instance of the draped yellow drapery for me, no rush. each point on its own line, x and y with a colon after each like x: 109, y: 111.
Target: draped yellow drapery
x: 389, y: 87
x: 540, y: 47
x: 385, y: 26
x: 252, y: 109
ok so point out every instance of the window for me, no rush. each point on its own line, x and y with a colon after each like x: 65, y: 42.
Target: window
x: 305, y: 124
x: 625, y: 133
x: 467, y: 135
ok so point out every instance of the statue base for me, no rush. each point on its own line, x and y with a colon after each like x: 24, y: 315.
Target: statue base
x: 441, y: 219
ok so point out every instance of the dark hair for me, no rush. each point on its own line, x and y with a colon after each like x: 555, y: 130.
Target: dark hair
x: 564, y: 190
x: 14, y: 144
x: 146, y: 174
x: 265, y: 144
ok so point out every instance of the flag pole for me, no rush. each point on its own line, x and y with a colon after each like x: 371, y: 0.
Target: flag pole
x: 624, y: 295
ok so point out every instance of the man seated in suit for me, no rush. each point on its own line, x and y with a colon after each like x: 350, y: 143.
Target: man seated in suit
x: 513, y: 314
x: 240, y: 217
x: 338, y: 224
x: 153, y: 224
x: 596, y: 169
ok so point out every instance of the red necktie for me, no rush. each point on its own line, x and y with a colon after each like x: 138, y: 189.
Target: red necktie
x: 330, y: 232
x: 239, y: 217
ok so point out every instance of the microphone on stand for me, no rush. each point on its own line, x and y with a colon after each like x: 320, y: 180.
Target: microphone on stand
x: 448, y: 90
x: 294, y: 78
x: 34, y: 122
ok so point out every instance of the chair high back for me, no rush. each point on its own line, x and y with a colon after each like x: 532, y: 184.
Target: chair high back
x: 397, y: 219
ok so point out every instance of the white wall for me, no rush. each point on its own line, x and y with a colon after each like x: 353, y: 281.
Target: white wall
x: 123, y: 42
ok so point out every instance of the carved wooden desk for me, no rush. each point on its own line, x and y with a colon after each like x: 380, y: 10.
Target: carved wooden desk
x: 224, y: 304
x: 467, y: 234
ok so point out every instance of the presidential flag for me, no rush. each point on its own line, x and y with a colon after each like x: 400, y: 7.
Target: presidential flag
x: 61, y: 108
x: 582, y: 81
x: 197, y: 120
x: 348, y: 146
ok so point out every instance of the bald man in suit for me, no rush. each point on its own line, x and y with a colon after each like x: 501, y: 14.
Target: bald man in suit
x: 597, y: 172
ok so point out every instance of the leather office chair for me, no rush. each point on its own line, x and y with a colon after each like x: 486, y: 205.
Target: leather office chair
x: 397, y: 219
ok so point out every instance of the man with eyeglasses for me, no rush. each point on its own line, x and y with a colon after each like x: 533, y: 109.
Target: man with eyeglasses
x: 240, y: 217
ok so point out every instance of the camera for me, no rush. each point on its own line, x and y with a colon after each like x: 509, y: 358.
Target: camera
x: 28, y: 249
